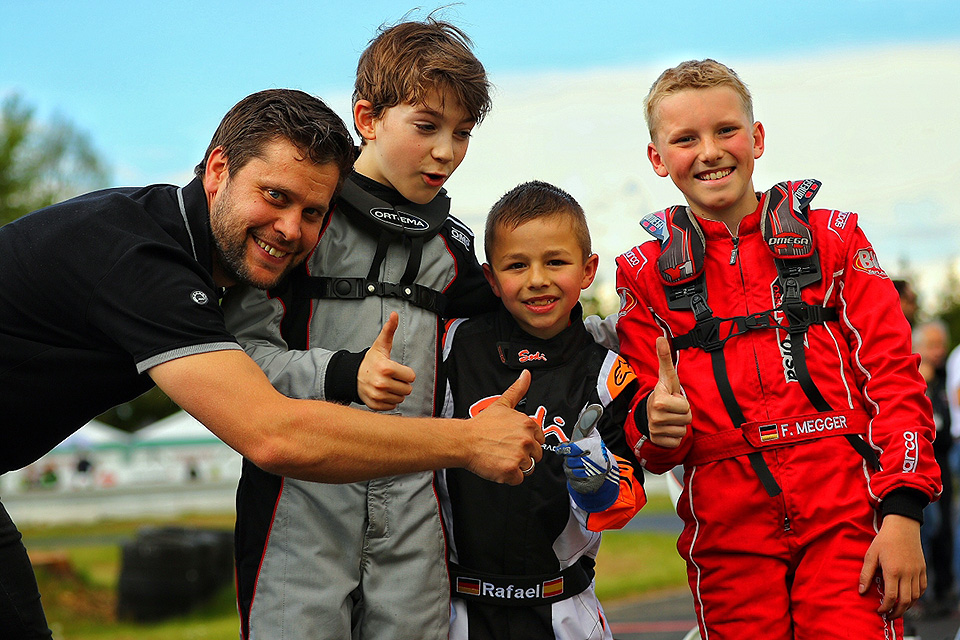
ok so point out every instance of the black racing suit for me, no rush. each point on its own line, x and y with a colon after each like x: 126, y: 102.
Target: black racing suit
x: 522, y: 557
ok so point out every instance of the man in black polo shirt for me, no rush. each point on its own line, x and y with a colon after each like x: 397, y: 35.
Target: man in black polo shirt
x: 106, y: 294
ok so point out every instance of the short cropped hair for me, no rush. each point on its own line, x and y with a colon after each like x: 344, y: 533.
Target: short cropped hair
x: 289, y: 114
x: 532, y: 200
x: 694, y: 74
x: 407, y: 61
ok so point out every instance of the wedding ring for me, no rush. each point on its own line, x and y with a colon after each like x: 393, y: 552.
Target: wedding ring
x: 527, y: 472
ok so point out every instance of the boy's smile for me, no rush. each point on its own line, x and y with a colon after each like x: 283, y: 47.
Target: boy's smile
x: 705, y: 142
x: 413, y: 148
x: 538, y: 270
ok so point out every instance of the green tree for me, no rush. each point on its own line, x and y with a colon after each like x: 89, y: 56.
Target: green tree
x: 948, y: 304
x: 42, y: 163
x: 141, y: 411
x: 45, y: 162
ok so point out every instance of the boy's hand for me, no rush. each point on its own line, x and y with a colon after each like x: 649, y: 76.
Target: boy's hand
x: 592, y: 476
x: 897, y: 556
x: 383, y: 384
x: 504, y: 441
x: 668, y: 411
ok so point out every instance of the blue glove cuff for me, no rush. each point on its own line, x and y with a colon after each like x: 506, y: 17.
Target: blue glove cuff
x: 601, y: 500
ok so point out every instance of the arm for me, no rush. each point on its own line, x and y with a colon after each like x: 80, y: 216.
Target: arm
x: 659, y: 397
x: 319, y: 441
x: 603, y: 330
x: 370, y: 376
x: 621, y: 384
x: 469, y: 294
x: 897, y: 556
x: 901, y: 429
x: 886, y: 374
x: 603, y: 477
x: 254, y: 318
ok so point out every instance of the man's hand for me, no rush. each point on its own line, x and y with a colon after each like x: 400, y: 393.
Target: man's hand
x: 897, y: 556
x: 668, y: 411
x: 503, y: 440
x: 593, y: 478
x: 383, y: 384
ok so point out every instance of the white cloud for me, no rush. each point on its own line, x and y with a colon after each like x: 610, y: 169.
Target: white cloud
x: 879, y: 128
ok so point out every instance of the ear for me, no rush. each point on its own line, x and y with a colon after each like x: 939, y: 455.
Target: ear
x: 590, y: 270
x: 654, y: 156
x: 364, y: 120
x: 216, y: 173
x: 758, y: 135
x: 492, y: 279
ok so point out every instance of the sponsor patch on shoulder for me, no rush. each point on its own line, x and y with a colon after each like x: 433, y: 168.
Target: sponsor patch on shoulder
x: 460, y: 237
x: 867, y: 262
x: 840, y: 220
x: 621, y: 374
x: 656, y: 225
x: 627, y: 301
x: 631, y: 258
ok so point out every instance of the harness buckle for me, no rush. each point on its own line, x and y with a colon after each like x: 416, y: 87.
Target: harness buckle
x: 701, y: 310
x: 759, y: 320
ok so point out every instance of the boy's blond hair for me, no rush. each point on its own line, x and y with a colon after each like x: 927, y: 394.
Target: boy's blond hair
x: 532, y: 200
x: 407, y: 61
x: 694, y: 74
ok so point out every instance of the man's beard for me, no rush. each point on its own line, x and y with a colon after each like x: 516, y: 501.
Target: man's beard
x: 230, y: 243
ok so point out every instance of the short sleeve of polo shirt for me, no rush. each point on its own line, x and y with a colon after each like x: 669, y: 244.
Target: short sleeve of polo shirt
x: 158, y: 305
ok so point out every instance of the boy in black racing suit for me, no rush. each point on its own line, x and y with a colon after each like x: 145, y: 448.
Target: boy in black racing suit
x: 522, y: 558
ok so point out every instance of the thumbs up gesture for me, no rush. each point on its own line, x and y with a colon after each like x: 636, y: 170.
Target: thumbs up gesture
x: 383, y: 384
x: 504, y: 444
x: 668, y: 411
x: 593, y: 476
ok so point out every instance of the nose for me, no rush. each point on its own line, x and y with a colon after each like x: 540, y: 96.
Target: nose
x: 443, y: 149
x: 710, y: 150
x: 537, y: 277
x: 289, y: 225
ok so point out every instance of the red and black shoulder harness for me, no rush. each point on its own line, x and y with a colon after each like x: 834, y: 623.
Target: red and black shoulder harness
x: 789, y: 237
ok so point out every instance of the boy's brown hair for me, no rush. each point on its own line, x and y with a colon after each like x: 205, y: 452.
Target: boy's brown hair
x: 532, y: 200
x: 694, y: 74
x: 407, y: 61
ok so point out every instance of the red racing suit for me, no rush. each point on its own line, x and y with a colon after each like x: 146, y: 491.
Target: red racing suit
x: 785, y: 565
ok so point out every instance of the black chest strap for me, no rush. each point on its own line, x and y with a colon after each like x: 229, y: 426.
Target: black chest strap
x: 789, y: 237
x: 408, y: 224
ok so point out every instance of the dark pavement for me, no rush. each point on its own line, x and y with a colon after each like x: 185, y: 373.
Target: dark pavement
x: 669, y: 616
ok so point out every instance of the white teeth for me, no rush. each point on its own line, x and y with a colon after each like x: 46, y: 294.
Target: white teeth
x: 716, y: 175
x: 276, y: 253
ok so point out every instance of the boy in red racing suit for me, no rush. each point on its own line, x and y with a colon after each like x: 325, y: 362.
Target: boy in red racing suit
x: 782, y: 380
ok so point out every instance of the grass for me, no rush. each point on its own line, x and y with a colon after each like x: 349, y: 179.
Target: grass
x: 80, y: 600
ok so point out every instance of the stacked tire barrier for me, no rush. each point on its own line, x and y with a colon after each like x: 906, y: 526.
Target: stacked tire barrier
x: 168, y: 571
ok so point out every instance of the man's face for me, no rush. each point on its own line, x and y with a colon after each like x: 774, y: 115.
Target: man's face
x: 413, y: 148
x: 706, y: 143
x: 266, y: 216
x: 933, y: 347
x: 908, y: 304
x: 538, y: 270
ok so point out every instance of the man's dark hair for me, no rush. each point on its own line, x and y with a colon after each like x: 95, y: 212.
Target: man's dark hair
x: 306, y: 121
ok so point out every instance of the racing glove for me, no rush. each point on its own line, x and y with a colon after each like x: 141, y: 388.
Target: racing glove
x: 593, y: 476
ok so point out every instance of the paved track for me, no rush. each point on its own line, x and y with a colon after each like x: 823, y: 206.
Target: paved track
x: 669, y: 616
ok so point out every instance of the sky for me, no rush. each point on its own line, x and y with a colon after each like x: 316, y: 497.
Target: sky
x: 861, y: 94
